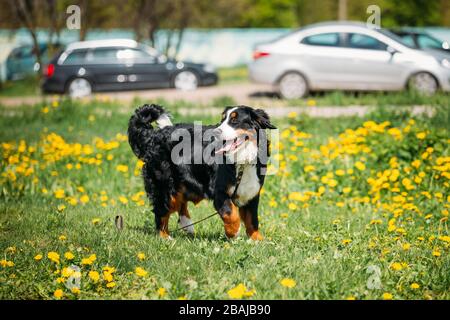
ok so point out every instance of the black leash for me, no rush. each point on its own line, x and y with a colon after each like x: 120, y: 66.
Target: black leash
x: 238, y: 182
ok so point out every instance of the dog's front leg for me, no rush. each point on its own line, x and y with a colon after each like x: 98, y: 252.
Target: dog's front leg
x: 249, y: 215
x: 230, y: 216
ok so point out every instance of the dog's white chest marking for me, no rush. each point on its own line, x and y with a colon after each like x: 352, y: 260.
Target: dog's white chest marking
x: 248, y: 187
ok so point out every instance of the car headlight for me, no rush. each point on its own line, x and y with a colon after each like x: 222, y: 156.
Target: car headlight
x: 445, y: 63
x: 209, y: 68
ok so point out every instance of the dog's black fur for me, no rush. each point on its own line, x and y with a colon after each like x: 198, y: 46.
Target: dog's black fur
x: 170, y: 186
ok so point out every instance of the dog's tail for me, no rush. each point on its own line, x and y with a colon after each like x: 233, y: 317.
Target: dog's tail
x: 140, y: 129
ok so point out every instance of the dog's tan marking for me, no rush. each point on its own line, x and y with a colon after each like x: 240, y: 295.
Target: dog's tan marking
x: 250, y: 229
x: 231, y: 221
x: 164, y: 227
x: 176, y: 202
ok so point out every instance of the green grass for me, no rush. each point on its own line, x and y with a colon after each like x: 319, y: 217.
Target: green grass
x: 304, y: 244
x: 340, y: 98
x: 233, y: 74
x: 25, y: 87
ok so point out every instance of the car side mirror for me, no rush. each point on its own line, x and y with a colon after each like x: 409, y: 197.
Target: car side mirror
x: 391, y: 50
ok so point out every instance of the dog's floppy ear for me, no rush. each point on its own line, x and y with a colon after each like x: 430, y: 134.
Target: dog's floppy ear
x: 262, y: 118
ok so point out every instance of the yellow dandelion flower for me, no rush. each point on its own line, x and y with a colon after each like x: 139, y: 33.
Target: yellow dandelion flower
x: 387, y: 296
x: 58, y: 294
x: 53, y: 256
x: 162, y: 292
x: 141, y: 256
x: 415, y: 286
x: 288, y: 282
x: 94, y: 276
x: 69, y: 255
x: 140, y: 272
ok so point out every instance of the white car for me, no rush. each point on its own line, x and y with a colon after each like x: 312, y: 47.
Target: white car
x: 346, y: 56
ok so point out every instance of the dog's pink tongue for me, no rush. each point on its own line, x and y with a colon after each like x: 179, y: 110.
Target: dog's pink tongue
x: 227, y: 147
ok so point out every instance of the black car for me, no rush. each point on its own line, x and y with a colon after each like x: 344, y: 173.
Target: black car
x: 109, y: 65
x: 422, y: 40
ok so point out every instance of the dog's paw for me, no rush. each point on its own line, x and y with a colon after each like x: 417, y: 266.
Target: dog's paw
x: 164, y: 235
x: 186, y: 224
x: 232, y: 234
x: 256, y: 236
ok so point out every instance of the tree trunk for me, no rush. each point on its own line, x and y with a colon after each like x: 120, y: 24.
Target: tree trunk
x: 342, y: 10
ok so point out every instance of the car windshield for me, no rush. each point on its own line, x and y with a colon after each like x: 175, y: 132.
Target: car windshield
x: 395, y: 37
x: 426, y: 41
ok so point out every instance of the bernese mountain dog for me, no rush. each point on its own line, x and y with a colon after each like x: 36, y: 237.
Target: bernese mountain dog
x: 238, y: 158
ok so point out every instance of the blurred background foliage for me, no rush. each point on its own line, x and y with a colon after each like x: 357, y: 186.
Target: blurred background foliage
x: 147, y: 15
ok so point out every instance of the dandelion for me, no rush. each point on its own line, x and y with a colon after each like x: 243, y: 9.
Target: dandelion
x: 76, y: 290
x: 346, y: 241
x: 59, y: 194
x: 53, y: 256
x: 387, y: 296
x: 5, y: 263
x: 140, y: 272
x: 69, y: 255
x: 95, y: 221
x: 161, y: 292
x: 421, y: 135
x: 94, y: 275
x: 62, y: 238
x: 122, y: 168
x: 61, y: 208
x: 89, y: 260
x: 240, y: 291
x: 406, y: 246
x: 360, y: 166
x: 141, y: 256
x: 292, y: 115
x: 84, y: 199
x: 123, y: 200
x: 436, y: 253
x: 38, y: 257
x: 288, y: 282
x: 396, y: 266
x: 415, y: 286
x: 110, y: 285
x: 58, y: 294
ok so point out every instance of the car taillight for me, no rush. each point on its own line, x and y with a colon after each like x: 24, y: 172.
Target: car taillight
x: 50, y: 71
x: 259, y: 54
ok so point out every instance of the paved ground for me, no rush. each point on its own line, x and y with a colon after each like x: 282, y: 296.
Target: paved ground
x: 242, y: 93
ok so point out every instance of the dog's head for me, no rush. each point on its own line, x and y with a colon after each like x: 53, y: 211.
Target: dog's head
x: 239, y: 131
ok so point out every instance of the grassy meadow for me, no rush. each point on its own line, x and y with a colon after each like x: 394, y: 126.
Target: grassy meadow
x: 358, y: 209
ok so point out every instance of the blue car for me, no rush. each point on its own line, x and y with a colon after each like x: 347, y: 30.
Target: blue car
x: 22, y: 61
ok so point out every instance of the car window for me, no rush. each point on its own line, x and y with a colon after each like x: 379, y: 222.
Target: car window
x: 134, y: 55
x: 362, y: 41
x: 75, y: 57
x: 408, y: 39
x: 323, y: 39
x: 425, y: 41
x: 102, y: 55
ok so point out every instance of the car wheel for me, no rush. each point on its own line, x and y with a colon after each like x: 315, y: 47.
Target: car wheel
x: 292, y: 86
x: 79, y: 87
x: 186, y: 81
x: 424, y: 83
